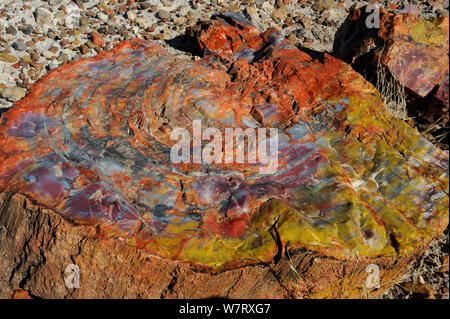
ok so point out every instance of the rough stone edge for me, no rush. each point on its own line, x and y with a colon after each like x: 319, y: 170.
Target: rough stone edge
x: 36, y: 244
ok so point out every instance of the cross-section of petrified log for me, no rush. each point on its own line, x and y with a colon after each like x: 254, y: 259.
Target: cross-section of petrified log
x: 414, y: 50
x: 91, y: 142
x: 37, y: 245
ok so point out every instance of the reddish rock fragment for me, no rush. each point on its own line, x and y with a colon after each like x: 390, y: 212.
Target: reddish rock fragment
x: 97, y: 40
x: 20, y: 294
x: 413, y: 50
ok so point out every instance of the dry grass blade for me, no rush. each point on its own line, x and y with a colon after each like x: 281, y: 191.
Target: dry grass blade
x: 392, y: 93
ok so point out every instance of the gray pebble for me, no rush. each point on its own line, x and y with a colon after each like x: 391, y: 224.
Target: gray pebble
x: 163, y: 14
x: 11, y: 30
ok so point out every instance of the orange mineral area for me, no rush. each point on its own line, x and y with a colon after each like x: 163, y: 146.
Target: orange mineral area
x: 92, y: 142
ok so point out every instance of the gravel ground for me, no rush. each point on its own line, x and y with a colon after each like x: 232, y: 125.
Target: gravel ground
x: 37, y: 36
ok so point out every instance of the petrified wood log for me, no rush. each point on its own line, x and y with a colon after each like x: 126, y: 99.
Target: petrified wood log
x: 87, y: 178
x: 413, y: 50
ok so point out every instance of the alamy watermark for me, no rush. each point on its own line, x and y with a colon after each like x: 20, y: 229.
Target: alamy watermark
x: 234, y: 145
x: 373, y: 19
x: 72, y: 276
x: 373, y: 279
